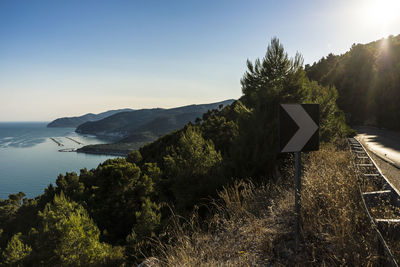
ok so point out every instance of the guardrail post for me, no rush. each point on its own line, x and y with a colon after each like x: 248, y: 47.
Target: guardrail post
x: 297, y: 199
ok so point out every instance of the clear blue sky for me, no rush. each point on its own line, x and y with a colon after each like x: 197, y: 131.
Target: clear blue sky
x: 63, y: 58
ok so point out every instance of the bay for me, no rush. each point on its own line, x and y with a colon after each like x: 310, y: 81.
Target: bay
x: 30, y: 160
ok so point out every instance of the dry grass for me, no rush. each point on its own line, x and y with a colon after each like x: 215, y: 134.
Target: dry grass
x: 335, y: 227
x: 253, y: 225
x: 242, y: 232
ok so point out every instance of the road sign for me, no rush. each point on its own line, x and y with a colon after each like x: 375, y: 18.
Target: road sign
x: 299, y: 127
x: 299, y: 124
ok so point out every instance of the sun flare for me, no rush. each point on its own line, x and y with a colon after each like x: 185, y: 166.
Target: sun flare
x: 381, y: 12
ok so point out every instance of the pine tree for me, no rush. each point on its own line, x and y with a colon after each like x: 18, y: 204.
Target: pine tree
x: 16, y: 251
x: 68, y: 236
x: 191, y: 166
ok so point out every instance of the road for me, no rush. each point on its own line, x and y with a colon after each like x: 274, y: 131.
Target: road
x: 385, y: 148
x: 384, y: 143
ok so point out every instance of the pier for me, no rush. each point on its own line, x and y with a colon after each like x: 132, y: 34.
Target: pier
x: 67, y: 150
x: 79, y: 143
x: 57, y: 142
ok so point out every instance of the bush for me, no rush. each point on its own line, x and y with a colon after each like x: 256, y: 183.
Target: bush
x: 191, y: 168
x: 253, y: 225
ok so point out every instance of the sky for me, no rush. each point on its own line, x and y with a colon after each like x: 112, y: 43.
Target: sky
x: 71, y: 57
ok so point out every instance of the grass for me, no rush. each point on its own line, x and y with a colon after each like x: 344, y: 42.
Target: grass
x: 253, y: 225
x: 336, y: 227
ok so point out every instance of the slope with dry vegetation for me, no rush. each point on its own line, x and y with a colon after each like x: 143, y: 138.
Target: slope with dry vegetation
x: 253, y: 225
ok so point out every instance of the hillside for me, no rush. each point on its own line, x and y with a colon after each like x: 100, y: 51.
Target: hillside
x: 367, y: 78
x: 73, y: 122
x: 126, y: 209
x: 146, y: 124
x: 253, y: 224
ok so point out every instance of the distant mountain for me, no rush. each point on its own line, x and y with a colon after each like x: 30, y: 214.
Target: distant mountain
x: 74, y: 122
x: 144, y: 125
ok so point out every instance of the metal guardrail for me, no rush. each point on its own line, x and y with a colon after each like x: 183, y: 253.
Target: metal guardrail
x: 386, y: 194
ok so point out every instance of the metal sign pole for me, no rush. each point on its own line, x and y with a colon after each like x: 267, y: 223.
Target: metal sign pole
x: 298, y: 131
x: 297, y: 191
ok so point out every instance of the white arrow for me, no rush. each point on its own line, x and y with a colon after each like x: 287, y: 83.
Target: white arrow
x: 307, y: 127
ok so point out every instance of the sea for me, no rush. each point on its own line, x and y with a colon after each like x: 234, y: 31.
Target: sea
x: 30, y: 157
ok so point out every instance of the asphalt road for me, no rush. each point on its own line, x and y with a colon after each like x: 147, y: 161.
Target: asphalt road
x: 384, y: 143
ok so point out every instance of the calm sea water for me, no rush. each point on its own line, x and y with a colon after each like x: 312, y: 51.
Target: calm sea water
x: 30, y: 160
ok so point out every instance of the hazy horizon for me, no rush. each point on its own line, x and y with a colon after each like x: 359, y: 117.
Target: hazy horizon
x: 78, y: 115
x: 69, y: 58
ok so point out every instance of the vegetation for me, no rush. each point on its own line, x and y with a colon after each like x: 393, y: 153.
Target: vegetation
x: 368, y: 81
x: 138, y: 127
x: 117, y: 149
x: 252, y: 225
x: 111, y: 214
x: 132, y: 130
x: 74, y: 122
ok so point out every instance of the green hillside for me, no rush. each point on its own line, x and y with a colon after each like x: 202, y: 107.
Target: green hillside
x: 124, y: 210
x: 367, y: 78
x: 127, y: 123
x: 73, y: 122
x: 131, y: 130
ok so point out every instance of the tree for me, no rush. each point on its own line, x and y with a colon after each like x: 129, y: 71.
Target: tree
x: 367, y: 80
x: 69, y: 236
x: 274, y: 77
x: 268, y: 82
x: 134, y: 157
x: 191, y: 168
x: 16, y: 251
x: 9, y: 207
x: 117, y: 190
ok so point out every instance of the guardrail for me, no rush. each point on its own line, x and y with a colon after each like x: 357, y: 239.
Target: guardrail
x: 377, y: 194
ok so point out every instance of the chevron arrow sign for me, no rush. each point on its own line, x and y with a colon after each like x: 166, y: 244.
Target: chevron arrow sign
x: 299, y: 127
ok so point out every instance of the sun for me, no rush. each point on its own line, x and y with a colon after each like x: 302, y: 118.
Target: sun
x: 381, y: 12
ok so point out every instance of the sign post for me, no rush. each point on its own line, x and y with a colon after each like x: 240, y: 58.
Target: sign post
x: 297, y: 194
x: 299, y: 131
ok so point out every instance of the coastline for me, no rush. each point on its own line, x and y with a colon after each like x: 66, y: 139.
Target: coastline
x: 116, y: 149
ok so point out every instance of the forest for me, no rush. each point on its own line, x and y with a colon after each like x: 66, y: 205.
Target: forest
x: 367, y: 79
x: 114, y: 215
